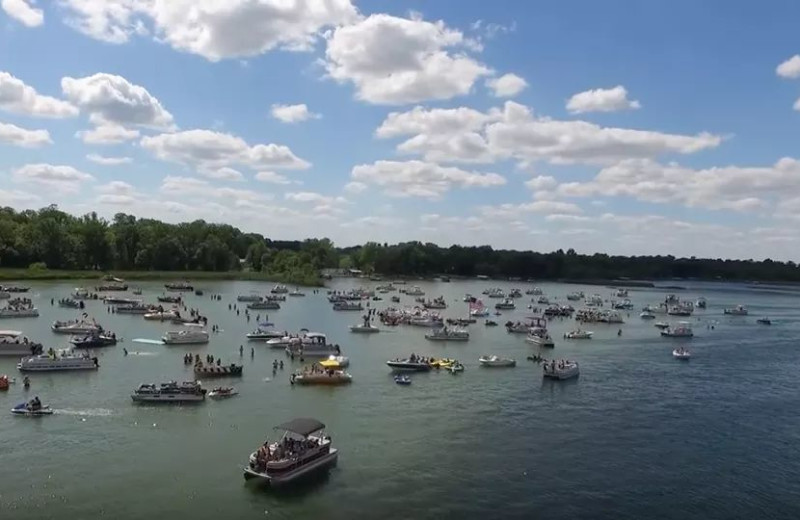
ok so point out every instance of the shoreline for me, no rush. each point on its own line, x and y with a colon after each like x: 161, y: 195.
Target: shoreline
x: 10, y: 274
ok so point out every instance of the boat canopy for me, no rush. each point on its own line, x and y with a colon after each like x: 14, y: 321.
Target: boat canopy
x: 302, y: 426
x: 330, y: 363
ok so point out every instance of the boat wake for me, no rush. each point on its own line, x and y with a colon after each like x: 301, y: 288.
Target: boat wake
x: 148, y: 341
x: 91, y: 412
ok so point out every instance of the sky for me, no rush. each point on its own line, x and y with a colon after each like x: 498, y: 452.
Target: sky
x: 659, y: 127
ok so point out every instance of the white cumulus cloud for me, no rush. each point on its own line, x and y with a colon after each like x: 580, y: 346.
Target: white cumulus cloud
x: 213, y: 29
x: 24, y: 12
x: 19, y: 98
x: 292, y: 113
x: 789, y: 68
x: 108, y: 161
x: 271, y: 178
x: 421, y: 179
x: 58, y: 177
x: 113, y: 100
x: 507, y: 85
x: 394, y: 61
x: 602, y: 100
x: 14, y: 135
x: 107, y: 134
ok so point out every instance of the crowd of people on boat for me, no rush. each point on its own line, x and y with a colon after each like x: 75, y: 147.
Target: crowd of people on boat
x: 286, y: 449
x: 597, y: 316
x: 19, y: 304
x: 561, y: 364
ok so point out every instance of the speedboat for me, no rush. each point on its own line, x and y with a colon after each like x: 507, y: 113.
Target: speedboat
x: 31, y: 409
x: 412, y: 364
x: 185, y: 337
x: 446, y: 334
x: 764, y: 321
x: 402, y: 380
x: 15, y: 288
x: 71, y: 303
x: 296, y: 293
x: 415, y: 291
x: 540, y: 337
x: 20, y: 310
x: 496, y: 361
x: 59, y: 360
x: 661, y: 325
x: 249, y: 298
x: 560, y: 369
x: 267, y: 334
x: 739, y: 310
x: 279, y: 289
x: 681, y: 353
x: 456, y: 367
x: 310, y: 344
x: 167, y: 298
x: 425, y: 321
x: 94, y: 340
x: 162, y: 315
x: 579, y: 334
x: 304, y: 449
x: 647, y: 315
x: 223, y: 392
x: 117, y: 300
x: 518, y: 327
x: 134, y: 308
x: 80, y: 294
x: 170, y: 392
x: 682, y: 330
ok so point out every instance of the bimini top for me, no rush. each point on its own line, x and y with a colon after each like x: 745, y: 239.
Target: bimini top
x: 301, y: 426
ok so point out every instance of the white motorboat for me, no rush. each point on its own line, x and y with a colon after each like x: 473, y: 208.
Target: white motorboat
x: 594, y: 300
x: 118, y: 300
x: 496, y: 361
x: 681, y: 330
x: 447, y: 334
x: 347, y: 306
x: 560, y: 369
x: 415, y: 291
x: 625, y: 305
x: 303, y: 450
x: 279, y: 289
x: 621, y: 293
x: 536, y: 291
x: 249, y: 298
x: 185, y: 337
x: 170, y: 392
x: 13, y: 343
x: 661, y: 325
x: 297, y: 293
x: 58, y: 360
x: 223, y: 392
x: 364, y: 328
x: 647, y: 315
x: 575, y: 296
x: 179, y: 286
x: 579, y: 334
x: 425, y: 321
x: 506, y: 304
x: 311, y: 344
x: 540, y: 337
x: 412, y: 364
x: 264, y: 334
x: 681, y: 353
x: 162, y: 315
x: 739, y: 310
x: 79, y: 327
x: 19, y: 311
x: 680, y: 310
x: 134, y: 308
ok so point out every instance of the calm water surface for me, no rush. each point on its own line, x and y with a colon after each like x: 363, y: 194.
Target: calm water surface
x: 639, y: 435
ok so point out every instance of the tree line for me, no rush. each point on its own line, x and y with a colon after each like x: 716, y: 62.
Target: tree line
x: 50, y: 238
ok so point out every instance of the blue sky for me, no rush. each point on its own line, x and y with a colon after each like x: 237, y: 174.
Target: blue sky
x: 622, y: 127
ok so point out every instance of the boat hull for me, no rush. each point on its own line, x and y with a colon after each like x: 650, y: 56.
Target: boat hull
x: 177, y: 398
x: 286, y: 478
x: 409, y: 367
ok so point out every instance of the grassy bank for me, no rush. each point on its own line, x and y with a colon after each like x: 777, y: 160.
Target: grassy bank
x: 57, y: 274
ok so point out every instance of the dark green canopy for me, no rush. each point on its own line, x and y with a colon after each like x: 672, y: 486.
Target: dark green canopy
x: 301, y: 426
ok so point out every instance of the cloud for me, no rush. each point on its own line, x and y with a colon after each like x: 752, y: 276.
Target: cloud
x: 184, y: 186
x: 355, y: 187
x: 107, y: 134
x: 113, y: 100
x: 507, y: 85
x: 118, y: 193
x: 513, y: 132
x: 542, y: 182
x: 210, y: 150
x: 602, y: 100
x: 212, y: 29
x: 63, y: 178
x: 108, y: 161
x: 421, y: 179
x: 14, y: 135
x: 394, y: 61
x: 513, y: 211
x: 731, y: 188
x: 271, y: 177
x: 292, y: 113
x: 18, y: 199
x: 20, y: 98
x: 24, y: 12
x: 789, y: 68
x: 116, y: 188
x: 225, y: 174
x: 312, y: 197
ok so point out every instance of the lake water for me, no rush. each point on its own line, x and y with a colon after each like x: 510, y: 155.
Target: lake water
x: 638, y: 435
